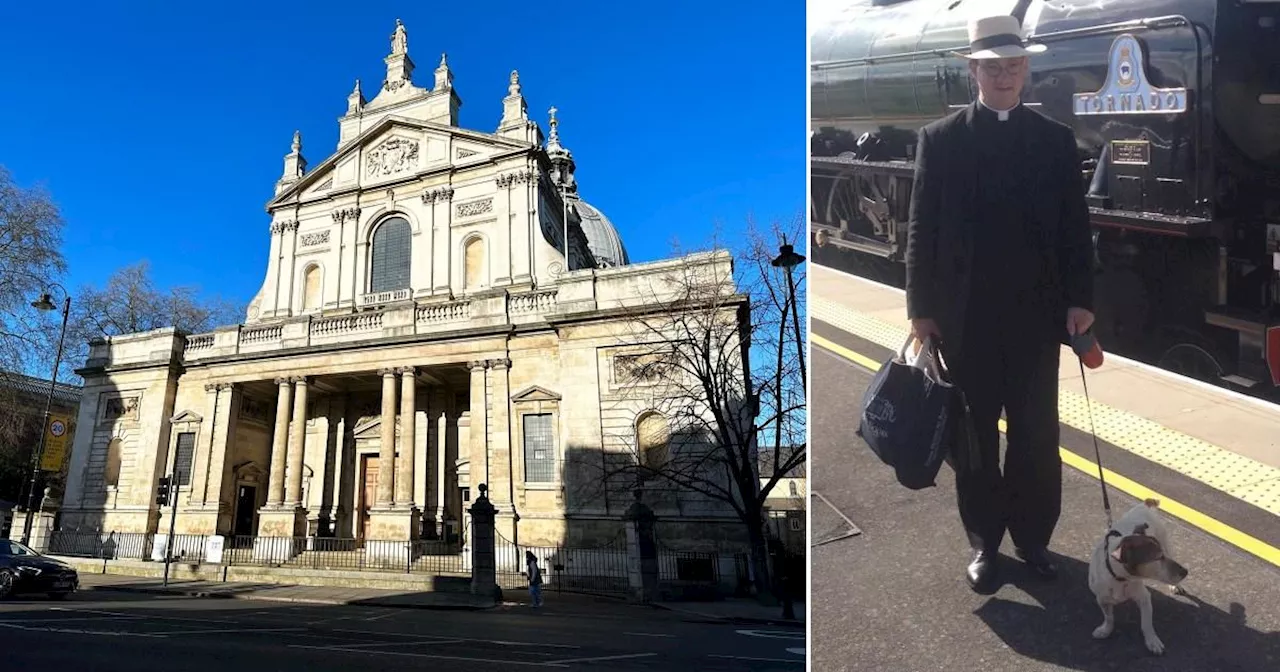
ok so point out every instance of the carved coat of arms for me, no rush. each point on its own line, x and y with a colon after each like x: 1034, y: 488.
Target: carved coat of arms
x: 392, y: 156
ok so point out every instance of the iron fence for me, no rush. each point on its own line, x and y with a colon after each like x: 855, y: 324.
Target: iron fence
x: 413, y: 557
x: 604, y: 570
x: 77, y: 543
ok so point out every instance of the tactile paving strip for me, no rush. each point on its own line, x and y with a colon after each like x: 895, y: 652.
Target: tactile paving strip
x: 1236, y: 475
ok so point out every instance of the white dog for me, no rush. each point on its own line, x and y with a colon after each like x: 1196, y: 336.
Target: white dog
x: 1136, y: 549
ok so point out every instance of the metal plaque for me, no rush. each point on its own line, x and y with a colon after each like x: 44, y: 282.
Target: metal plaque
x: 1131, y: 152
x: 1127, y: 90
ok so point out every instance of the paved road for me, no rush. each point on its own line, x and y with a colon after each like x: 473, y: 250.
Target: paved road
x: 894, y: 597
x: 101, y: 630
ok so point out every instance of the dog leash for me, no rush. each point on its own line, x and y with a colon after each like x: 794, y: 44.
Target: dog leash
x: 1097, y: 453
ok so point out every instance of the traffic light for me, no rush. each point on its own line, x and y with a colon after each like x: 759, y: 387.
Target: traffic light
x: 162, y: 493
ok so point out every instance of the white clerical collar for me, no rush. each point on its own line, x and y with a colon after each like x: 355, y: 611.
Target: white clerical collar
x: 1002, y: 115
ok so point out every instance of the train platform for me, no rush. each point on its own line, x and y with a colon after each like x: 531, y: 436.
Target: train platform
x: 888, y: 563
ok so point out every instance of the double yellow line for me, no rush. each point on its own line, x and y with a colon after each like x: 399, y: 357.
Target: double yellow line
x: 1211, y: 525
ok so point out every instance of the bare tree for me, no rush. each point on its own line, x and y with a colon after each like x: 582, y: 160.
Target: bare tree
x: 131, y: 303
x: 30, y: 260
x: 709, y: 370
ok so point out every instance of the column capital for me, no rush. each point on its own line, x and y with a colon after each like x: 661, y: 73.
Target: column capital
x: 226, y: 386
x: 409, y: 371
x: 300, y: 380
x: 387, y: 372
x: 211, y: 387
x: 478, y: 364
x: 283, y: 381
x: 500, y: 363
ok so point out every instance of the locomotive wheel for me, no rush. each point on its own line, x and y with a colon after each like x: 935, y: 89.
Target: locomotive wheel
x: 1194, y: 358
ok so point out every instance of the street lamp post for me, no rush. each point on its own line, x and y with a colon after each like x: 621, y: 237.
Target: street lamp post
x: 788, y: 259
x: 45, y: 302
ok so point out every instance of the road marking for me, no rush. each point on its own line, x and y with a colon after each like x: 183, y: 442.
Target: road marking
x: 462, y: 639
x: 595, y: 658
x: 379, y: 617
x: 1175, y: 508
x: 772, y: 634
x: 73, y: 618
x: 647, y: 634
x: 766, y: 660
x: 78, y: 631
x: 408, y: 643
x: 426, y: 655
x: 230, y: 630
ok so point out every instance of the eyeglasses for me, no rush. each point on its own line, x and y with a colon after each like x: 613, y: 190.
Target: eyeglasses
x: 994, y: 69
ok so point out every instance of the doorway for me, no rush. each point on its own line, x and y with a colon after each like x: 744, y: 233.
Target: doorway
x: 246, y: 507
x: 368, y: 492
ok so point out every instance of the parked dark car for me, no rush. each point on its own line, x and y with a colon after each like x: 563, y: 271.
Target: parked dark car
x: 23, y: 570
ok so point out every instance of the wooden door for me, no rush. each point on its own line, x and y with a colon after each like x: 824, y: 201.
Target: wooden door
x: 368, y: 491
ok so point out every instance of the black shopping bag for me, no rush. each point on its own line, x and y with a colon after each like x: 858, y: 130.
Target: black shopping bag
x: 908, y: 415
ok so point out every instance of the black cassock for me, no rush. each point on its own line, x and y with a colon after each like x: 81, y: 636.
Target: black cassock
x: 1014, y: 243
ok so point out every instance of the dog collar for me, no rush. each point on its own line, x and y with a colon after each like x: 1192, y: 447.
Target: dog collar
x: 1106, y: 557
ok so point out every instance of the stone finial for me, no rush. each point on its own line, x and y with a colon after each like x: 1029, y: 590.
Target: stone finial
x: 554, y: 141
x: 355, y: 101
x: 444, y: 77
x: 513, y: 89
x: 295, y: 166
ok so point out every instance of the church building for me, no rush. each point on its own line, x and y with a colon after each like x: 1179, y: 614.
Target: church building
x: 440, y: 310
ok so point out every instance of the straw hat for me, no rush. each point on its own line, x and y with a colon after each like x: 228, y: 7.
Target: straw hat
x: 998, y: 37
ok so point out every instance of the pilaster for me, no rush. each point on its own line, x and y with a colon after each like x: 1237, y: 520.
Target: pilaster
x: 501, y: 476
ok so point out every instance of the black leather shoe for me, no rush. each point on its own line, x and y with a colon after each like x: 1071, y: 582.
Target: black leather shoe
x: 1040, y: 562
x: 981, y: 573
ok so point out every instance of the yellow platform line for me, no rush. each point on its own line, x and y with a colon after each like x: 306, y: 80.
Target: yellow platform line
x: 1241, y: 477
x: 1213, y: 526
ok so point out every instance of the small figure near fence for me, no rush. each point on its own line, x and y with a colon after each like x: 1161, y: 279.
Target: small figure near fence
x: 535, y: 578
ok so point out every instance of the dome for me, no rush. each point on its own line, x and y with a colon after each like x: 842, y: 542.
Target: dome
x: 602, y: 238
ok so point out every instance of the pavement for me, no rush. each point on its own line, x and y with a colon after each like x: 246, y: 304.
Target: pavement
x: 888, y: 583
x: 741, y: 611
x: 103, y: 629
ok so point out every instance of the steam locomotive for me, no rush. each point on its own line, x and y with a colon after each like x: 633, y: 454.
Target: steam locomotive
x: 1176, y: 110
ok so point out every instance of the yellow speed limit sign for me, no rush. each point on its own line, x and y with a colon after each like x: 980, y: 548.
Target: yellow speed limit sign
x: 55, y: 443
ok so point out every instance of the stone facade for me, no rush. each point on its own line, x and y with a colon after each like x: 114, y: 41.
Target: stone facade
x: 429, y: 321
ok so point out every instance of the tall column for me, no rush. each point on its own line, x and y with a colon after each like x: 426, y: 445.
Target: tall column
x: 280, y: 442
x: 387, y: 447
x: 479, y: 448
x: 408, y: 425
x: 297, y: 442
x: 442, y: 438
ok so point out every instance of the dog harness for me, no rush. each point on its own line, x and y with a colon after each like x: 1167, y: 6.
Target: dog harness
x: 1107, y: 556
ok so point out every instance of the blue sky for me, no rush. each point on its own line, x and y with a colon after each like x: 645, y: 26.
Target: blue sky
x: 160, y: 128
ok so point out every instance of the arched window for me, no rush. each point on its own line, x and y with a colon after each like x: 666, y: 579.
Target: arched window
x: 389, y: 261
x: 111, y: 472
x: 473, y: 263
x: 653, y: 435
x: 311, y: 287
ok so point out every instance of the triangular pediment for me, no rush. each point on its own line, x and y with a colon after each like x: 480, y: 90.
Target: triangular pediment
x: 186, y: 416
x: 392, y: 149
x: 535, y: 393
x: 371, y: 429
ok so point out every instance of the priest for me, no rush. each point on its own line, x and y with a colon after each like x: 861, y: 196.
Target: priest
x: 999, y: 275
